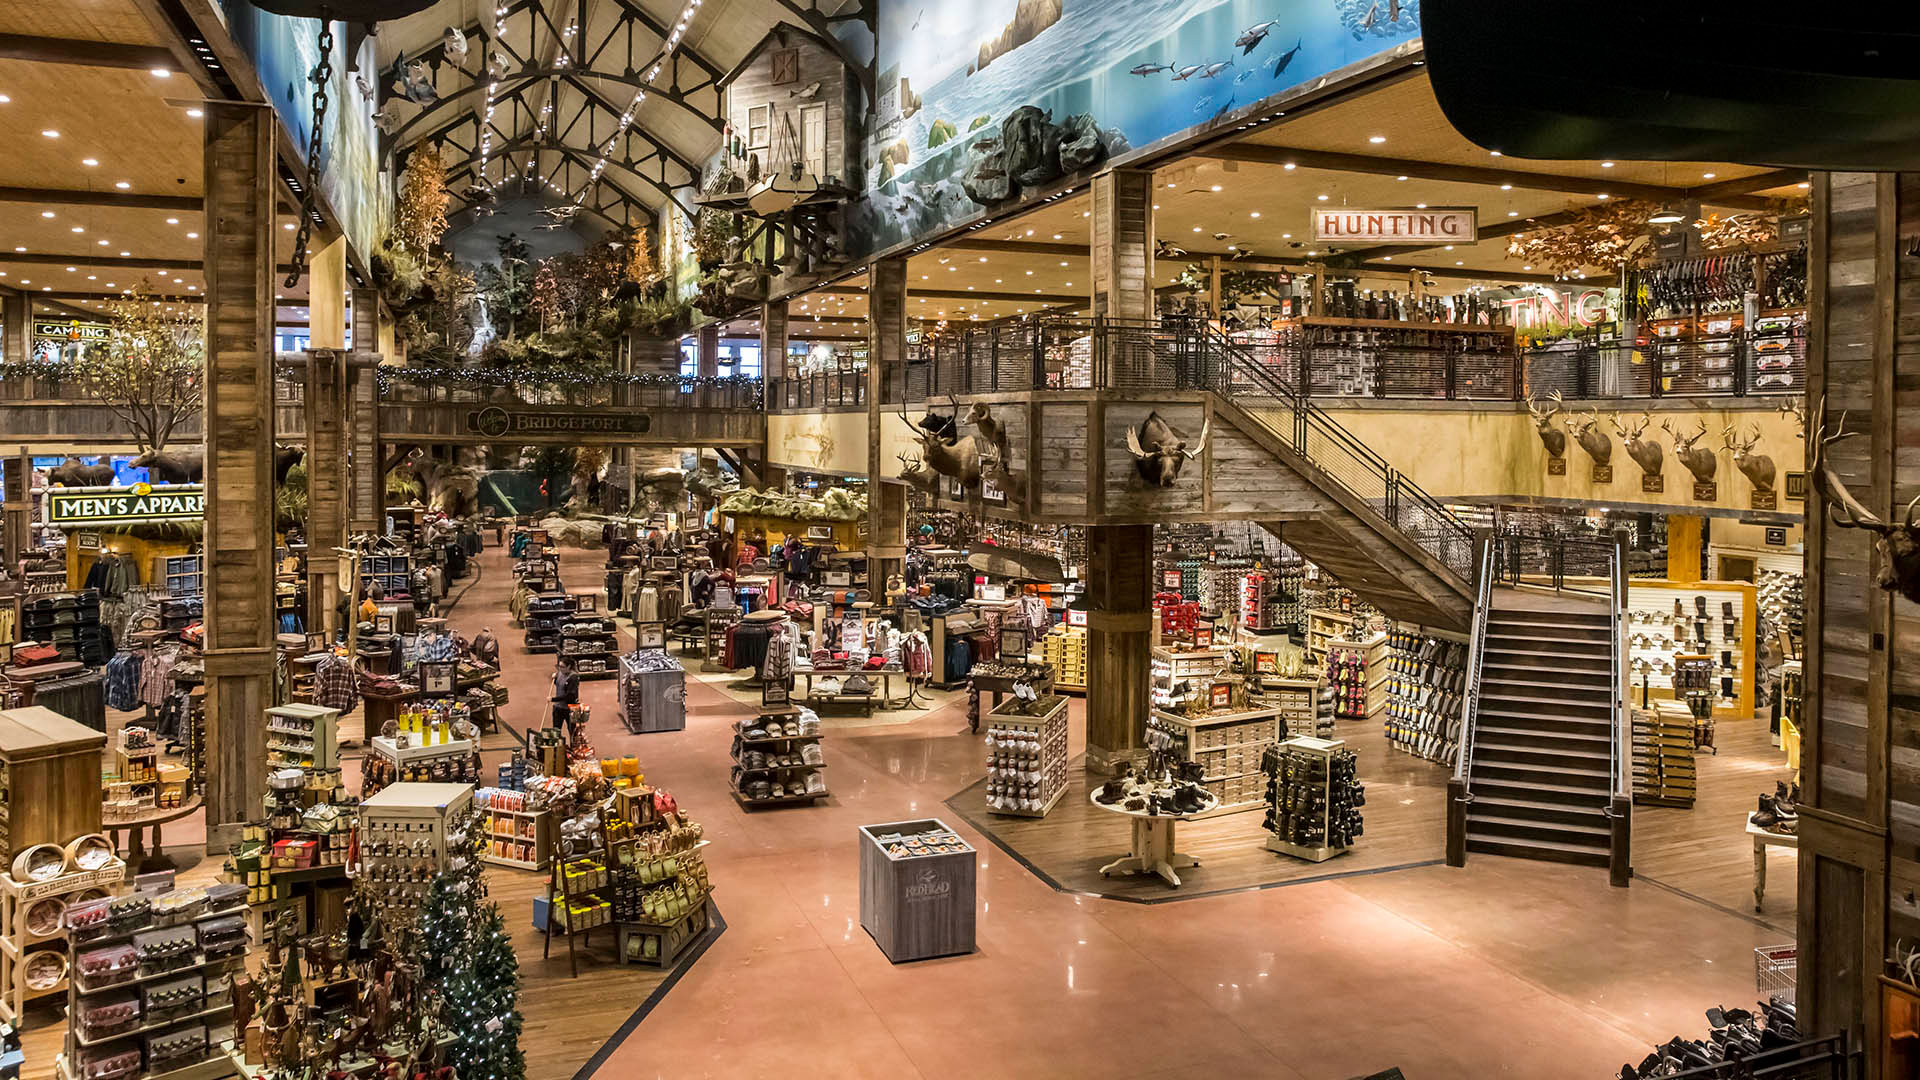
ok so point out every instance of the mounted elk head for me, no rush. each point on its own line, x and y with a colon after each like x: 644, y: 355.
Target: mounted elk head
x: 1159, y: 451
x: 1701, y: 461
x: 1586, y: 432
x: 914, y: 471
x: 1646, y: 453
x: 1552, y: 437
x: 957, y: 458
x: 1758, y: 468
x: 1898, y: 546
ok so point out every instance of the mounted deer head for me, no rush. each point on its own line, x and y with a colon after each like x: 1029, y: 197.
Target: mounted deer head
x: 960, y: 459
x: 1897, y: 546
x: 1586, y: 432
x: 1797, y: 409
x: 1646, y: 453
x: 1159, y: 451
x: 914, y: 471
x: 1758, y: 468
x: 1701, y: 461
x: 1554, y: 439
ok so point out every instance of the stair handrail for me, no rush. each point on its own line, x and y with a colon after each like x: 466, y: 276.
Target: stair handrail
x: 1398, y: 489
x: 1476, y: 652
x: 1622, y: 725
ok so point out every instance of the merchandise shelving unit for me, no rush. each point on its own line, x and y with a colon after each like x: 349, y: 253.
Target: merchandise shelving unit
x: 545, y: 614
x: 181, y: 575
x: 1296, y: 701
x: 1228, y: 746
x: 1196, y: 668
x: 403, y: 826
x: 514, y: 832
x: 1041, y: 752
x: 33, y: 920
x: 1287, y: 814
x: 1065, y: 650
x: 303, y: 736
x: 1372, y: 675
x: 1426, y: 690
x: 1656, y: 636
x: 394, y: 572
x: 386, y: 762
x: 591, y: 643
x: 1323, y: 626
x: 1663, y: 764
x: 783, y: 774
x: 652, y: 699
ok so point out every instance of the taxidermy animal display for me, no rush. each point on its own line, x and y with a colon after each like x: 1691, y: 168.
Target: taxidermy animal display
x: 174, y: 466
x: 75, y: 473
x: 958, y: 458
x: 1551, y: 436
x: 1586, y: 432
x: 914, y: 471
x: 1896, y: 546
x: 1758, y: 468
x: 946, y: 428
x: 1701, y: 461
x: 1646, y: 453
x: 1159, y: 452
x: 284, y: 459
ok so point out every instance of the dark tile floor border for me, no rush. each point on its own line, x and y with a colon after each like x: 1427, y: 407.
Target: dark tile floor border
x: 716, y: 925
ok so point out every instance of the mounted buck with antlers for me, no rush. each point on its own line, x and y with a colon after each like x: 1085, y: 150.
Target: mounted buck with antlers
x: 1646, y: 453
x: 1797, y: 409
x: 1758, y: 468
x: 1898, y: 546
x: 1586, y: 432
x: 959, y: 458
x: 1701, y: 461
x: 1553, y: 438
x: 914, y: 471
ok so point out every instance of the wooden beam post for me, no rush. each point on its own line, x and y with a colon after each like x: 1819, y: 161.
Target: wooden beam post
x: 886, y: 370
x: 240, y: 182
x: 773, y: 339
x: 16, y: 322
x: 1119, y: 641
x: 366, y: 488
x: 709, y: 354
x: 1122, y: 257
x: 327, y: 481
x: 17, y: 508
x: 1686, y: 535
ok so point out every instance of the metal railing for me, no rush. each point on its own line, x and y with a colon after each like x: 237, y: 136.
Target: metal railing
x: 1812, y: 1059
x: 1622, y: 741
x: 1563, y: 563
x: 817, y: 390
x: 1476, y: 657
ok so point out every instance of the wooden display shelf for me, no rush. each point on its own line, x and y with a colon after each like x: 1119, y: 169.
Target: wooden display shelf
x: 778, y: 800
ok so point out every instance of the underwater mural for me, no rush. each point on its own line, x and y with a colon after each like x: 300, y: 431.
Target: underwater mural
x: 977, y: 103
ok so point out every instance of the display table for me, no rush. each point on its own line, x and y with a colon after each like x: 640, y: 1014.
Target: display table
x: 1762, y: 840
x: 1152, y: 844
x: 143, y: 856
x: 881, y: 680
x: 1000, y: 685
x: 917, y: 905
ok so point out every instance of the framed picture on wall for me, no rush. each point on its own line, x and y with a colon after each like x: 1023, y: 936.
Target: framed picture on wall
x: 383, y: 623
x: 819, y: 532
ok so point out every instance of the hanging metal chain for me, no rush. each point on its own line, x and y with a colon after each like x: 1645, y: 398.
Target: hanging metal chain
x: 322, y: 74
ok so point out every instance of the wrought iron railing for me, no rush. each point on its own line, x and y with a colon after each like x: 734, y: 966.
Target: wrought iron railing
x: 1476, y: 659
x: 817, y: 390
x: 1563, y: 563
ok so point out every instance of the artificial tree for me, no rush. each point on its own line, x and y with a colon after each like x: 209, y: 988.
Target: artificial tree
x: 149, y: 373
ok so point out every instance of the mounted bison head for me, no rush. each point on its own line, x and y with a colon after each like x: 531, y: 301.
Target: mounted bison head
x: 1159, y: 451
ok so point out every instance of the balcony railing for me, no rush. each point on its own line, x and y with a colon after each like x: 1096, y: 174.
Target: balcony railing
x: 818, y: 390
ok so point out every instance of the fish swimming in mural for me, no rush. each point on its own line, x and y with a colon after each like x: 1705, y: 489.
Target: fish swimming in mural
x: 1186, y: 73
x: 1150, y: 69
x: 806, y: 93
x: 1224, y: 109
x: 1372, y: 16
x: 1286, y: 58
x: 1243, y: 77
x: 1215, y: 69
x: 1201, y: 105
x: 1252, y: 36
x: 1164, y: 250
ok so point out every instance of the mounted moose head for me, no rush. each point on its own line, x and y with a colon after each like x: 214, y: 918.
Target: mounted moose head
x: 1553, y: 438
x: 1646, y: 453
x: 1701, y: 461
x: 1758, y: 468
x: 1159, y: 451
x: 1586, y: 432
x: 914, y: 471
x: 1898, y: 546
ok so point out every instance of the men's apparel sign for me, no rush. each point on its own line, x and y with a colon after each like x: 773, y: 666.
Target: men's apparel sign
x: 126, y: 506
x: 1443, y: 225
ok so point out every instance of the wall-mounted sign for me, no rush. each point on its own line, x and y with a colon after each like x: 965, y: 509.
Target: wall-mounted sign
x: 1403, y: 226
x: 1797, y: 486
x: 126, y: 506
x: 1776, y: 536
x: 495, y: 422
x: 1547, y: 309
x: 71, y: 330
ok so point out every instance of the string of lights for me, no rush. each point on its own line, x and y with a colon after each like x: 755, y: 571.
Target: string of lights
x: 672, y: 43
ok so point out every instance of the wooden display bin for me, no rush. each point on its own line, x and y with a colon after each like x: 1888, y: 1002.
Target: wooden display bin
x: 916, y: 907
x: 49, y: 779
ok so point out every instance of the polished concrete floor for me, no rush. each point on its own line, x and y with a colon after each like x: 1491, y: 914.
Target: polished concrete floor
x: 1501, y: 968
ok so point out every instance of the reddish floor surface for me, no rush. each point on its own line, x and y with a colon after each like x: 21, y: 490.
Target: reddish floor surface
x: 1502, y: 968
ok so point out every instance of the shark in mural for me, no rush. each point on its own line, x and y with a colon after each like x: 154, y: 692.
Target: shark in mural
x: 1286, y: 58
x: 1150, y: 69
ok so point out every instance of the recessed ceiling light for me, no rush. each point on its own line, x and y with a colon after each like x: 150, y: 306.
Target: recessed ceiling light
x: 1376, y: 138
x: 1606, y: 164
x: 173, y: 221
x: 1289, y: 166
x: 1216, y: 187
x: 1322, y: 198
x: 50, y: 133
x: 1604, y: 195
x: 161, y: 73
x: 1506, y: 187
x: 1156, y: 206
x: 122, y: 185
x: 1803, y: 185
x: 1513, y: 213
x: 1459, y: 262
x: 1449, y: 247
x: 1528, y: 266
x: 983, y: 258
x: 1495, y: 153
x: 1286, y: 236
x: 193, y: 236
x: 46, y: 213
x: 5, y: 100
x: 195, y: 113
x: 1170, y: 183
x: 124, y: 254
x: 71, y: 269
x: 1419, y: 206
x: 288, y: 226
x: 1709, y: 176
x: 1256, y: 213
x: 79, y: 228
x: 93, y: 277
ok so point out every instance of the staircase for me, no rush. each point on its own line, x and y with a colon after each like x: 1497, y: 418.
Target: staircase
x: 1541, y: 767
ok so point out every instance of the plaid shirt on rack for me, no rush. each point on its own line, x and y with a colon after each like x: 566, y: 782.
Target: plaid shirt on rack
x: 335, y: 685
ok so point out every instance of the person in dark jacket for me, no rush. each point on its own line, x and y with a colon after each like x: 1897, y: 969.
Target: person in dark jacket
x: 566, y: 691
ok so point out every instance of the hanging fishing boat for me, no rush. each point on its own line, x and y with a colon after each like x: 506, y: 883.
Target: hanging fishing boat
x: 787, y: 183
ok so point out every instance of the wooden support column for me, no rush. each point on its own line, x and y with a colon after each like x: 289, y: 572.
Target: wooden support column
x: 1119, y: 642
x: 709, y: 355
x: 1860, y: 800
x: 239, y: 265
x: 1122, y: 252
x: 366, y: 487
x: 16, y: 321
x: 886, y: 369
x: 1686, y: 535
x: 326, y: 484
x: 773, y: 339
x: 17, y: 508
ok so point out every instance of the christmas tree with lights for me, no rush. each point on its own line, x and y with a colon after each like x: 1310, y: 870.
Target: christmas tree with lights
x: 482, y: 1004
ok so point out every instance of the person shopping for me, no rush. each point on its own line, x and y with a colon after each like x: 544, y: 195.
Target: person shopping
x: 566, y: 691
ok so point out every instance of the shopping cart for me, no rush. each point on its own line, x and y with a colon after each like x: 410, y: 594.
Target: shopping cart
x: 1773, y: 971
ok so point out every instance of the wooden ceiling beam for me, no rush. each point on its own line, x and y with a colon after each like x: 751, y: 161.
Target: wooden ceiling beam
x: 1010, y: 298
x: 63, y: 197
x: 102, y: 54
x: 1014, y: 247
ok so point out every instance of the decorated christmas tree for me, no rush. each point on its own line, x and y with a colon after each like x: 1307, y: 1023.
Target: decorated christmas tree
x: 482, y: 1004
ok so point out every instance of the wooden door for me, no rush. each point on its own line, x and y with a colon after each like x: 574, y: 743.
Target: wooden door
x: 813, y: 139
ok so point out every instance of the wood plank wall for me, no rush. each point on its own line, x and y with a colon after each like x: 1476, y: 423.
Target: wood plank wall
x: 327, y: 482
x: 886, y: 367
x: 1860, y: 823
x: 240, y: 184
x: 366, y: 493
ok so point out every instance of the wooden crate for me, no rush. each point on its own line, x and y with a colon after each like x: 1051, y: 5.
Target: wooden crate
x: 916, y: 907
x: 49, y: 779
